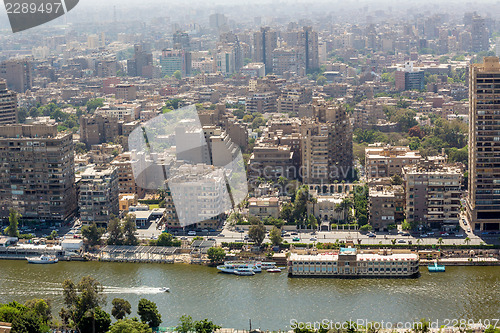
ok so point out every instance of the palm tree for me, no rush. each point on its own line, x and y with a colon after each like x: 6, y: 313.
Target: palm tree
x: 338, y: 208
x: 440, y: 241
x: 418, y: 242
x: 467, y: 240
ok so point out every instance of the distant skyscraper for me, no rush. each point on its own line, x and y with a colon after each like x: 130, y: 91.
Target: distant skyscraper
x: 8, y: 105
x: 308, y: 44
x: 217, y: 20
x: 483, y: 202
x: 18, y: 73
x: 480, y: 38
x: 181, y: 40
x: 141, y: 59
x: 175, y: 60
x: 265, y: 41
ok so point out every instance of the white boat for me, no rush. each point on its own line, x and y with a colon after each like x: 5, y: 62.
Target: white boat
x: 274, y: 270
x: 244, y: 271
x: 231, y: 267
x: 43, y: 259
x: 165, y: 290
x: 267, y: 265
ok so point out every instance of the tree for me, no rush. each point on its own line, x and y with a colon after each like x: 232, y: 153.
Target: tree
x: 14, y: 217
x: 95, y: 321
x: 148, y: 312
x: 22, y: 318
x: 286, y: 213
x: 186, y: 324
x: 312, y: 221
x: 129, y: 229
x: 121, y: 308
x: 115, y: 232
x: 416, y: 131
x: 396, y: 179
x: 93, y: 234
x: 205, y: 326
x: 216, y: 254
x: 275, y: 236
x: 165, y: 239
x: 440, y: 241
x: 52, y: 235
x: 130, y: 326
x: 366, y: 227
x: 93, y: 104
x: 321, y: 80
x: 83, y: 303
x: 177, y: 74
x: 467, y: 240
x: 257, y: 233
x: 405, y: 225
x: 41, y: 307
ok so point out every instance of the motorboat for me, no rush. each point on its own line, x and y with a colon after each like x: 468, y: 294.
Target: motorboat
x: 43, y: 259
x: 267, y: 265
x: 274, y: 270
x: 165, y: 290
x: 436, y: 268
x: 232, y: 267
x: 244, y: 272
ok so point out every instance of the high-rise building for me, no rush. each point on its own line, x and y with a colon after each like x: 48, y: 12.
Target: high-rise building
x: 483, y: 202
x: 8, y: 105
x: 480, y: 37
x: 433, y: 192
x: 18, y: 73
x: 309, y: 47
x: 409, y: 78
x: 181, y: 40
x: 141, y: 59
x: 98, y: 195
x: 96, y: 129
x: 265, y: 41
x: 175, y: 60
x: 326, y: 144
x: 37, y: 172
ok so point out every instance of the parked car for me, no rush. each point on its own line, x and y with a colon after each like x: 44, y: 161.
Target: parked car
x: 295, y: 239
x: 313, y: 239
x: 222, y: 235
x: 371, y: 234
x: 192, y: 233
x: 445, y: 234
x: 204, y: 230
x: 294, y: 233
x: 401, y: 241
x: 424, y: 235
x: 459, y: 235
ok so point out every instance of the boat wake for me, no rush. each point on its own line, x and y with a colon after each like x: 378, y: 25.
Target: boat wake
x: 132, y: 290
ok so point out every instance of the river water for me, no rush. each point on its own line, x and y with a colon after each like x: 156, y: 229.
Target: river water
x: 271, y: 301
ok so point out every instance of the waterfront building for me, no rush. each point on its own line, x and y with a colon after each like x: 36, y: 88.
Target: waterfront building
x: 385, y: 206
x: 98, y: 197
x: 432, y: 194
x: 483, y: 201
x: 353, y: 263
x: 37, y: 176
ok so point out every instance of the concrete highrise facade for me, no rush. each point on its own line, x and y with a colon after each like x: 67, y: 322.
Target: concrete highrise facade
x: 18, y: 73
x: 8, y: 105
x: 265, y: 41
x: 37, y: 173
x: 483, y: 201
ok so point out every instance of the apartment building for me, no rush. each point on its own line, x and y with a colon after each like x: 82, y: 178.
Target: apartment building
x: 483, y: 201
x: 8, y: 105
x: 97, y: 128
x: 271, y: 161
x: 127, y: 92
x: 264, y: 207
x: 37, y: 176
x: 387, y: 161
x: 98, y: 196
x: 385, y: 206
x: 261, y: 102
x: 432, y: 194
x: 126, y: 181
x: 292, y: 97
x: 326, y: 144
x: 18, y: 73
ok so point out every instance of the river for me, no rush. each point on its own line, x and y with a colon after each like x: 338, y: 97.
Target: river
x: 270, y: 300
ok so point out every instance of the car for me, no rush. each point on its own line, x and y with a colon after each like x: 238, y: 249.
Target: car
x: 430, y: 233
x: 445, y: 234
x: 294, y: 233
x: 459, y: 235
x: 184, y: 238
x: 295, y: 239
x: 371, y: 234
x: 246, y: 237
x: 211, y: 239
x: 406, y: 234
x: 192, y: 233
x: 401, y: 241
x: 313, y: 239
x: 424, y: 235
x: 285, y: 235
x: 204, y: 230
x: 241, y: 231
x: 468, y: 229
x: 492, y: 233
x: 222, y: 235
